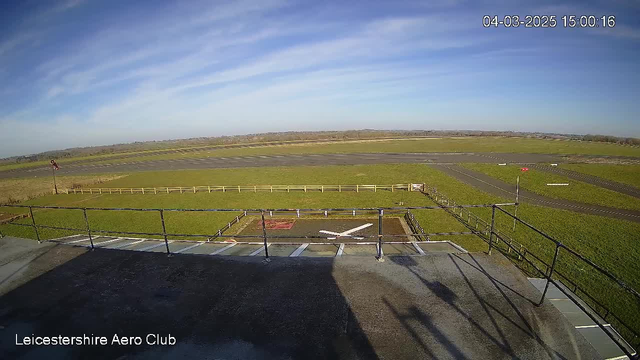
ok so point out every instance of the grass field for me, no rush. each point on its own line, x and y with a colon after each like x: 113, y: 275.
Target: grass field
x: 537, y: 180
x: 467, y: 144
x: 626, y: 174
x: 12, y: 190
x: 610, y: 243
x: 497, y: 144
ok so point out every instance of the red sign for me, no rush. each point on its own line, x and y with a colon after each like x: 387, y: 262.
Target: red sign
x: 525, y: 169
x: 55, y: 166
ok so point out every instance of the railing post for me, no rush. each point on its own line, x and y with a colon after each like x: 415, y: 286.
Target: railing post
x: 33, y: 221
x: 493, y: 223
x: 380, y: 215
x: 164, y: 232
x: 86, y: 221
x: 264, y: 235
x: 553, y: 265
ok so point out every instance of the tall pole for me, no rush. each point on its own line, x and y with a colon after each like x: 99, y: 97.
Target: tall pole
x: 53, y: 172
x: 264, y: 236
x: 515, y: 212
x: 493, y: 224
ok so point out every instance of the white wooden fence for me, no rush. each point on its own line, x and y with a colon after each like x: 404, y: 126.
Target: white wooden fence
x: 246, y: 188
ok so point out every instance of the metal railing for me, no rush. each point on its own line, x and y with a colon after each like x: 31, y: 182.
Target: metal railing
x: 241, y: 188
x: 549, y: 269
x: 462, y: 212
x: 379, y: 211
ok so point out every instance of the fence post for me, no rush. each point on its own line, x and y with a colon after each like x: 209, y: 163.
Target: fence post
x: 271, y: 188
x: 86, y: 221
x: 380, y: 214
x: 391, y: 187
x: 33, y: 221
x: 322, y: 188
x: 223, y: 189
x: 194, y: 189
x: 553, y: 265
x: 339, y: 188
x: 264, y: 235
x: 142, y: 191
x: 209, y: 188
x: 357, y: 188
x: 164, y: 232
x: 493, y: 222
x: 375, y: 188
x: 155, y: 190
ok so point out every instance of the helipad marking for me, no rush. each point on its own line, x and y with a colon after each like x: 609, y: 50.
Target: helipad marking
x: 189, y: 247
x: 340, y: 250
x: 154, y: 246
x: 223, y: 249
x: 258, y: 251
x: 418, y: 248
x: 299, y: 250
x: 127, y: 245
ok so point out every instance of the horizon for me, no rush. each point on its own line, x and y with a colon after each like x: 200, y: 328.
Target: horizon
x: 83, y: 73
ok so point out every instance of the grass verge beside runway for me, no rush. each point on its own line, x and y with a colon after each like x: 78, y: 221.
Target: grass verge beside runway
x: 537, y: 180
x: 626, y: 174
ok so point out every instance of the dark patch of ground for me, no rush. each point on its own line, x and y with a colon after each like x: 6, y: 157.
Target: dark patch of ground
x: 463, y: 306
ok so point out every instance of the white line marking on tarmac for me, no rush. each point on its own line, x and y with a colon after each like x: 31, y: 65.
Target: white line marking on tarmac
x: 299, y: 250
x: 258, y: 251
x: 77, y: 241
x: 223, y: 249
x: 106, y: 242
x: 67, y: 237
x: 150, y: 247
x: 340, y: 250
x: 189, y: 247
x: 418, y: 248
x: 127, y: 245
x: 457, y: 247
x: 590, y: 326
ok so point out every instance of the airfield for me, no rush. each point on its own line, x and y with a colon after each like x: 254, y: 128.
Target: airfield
x: 422, y: 285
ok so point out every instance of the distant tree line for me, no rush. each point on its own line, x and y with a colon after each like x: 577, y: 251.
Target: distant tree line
x: 612, y: 139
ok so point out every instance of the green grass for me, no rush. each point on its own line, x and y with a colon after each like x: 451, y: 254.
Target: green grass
x: 306, y: 175
x: 608, y: 242
x: 471, y: 144
x: 462, y: 144
x: 537, y: 180
x: 626, y: 174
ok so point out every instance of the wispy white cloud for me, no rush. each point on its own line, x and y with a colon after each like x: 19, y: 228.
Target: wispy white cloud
x: 202, y: 66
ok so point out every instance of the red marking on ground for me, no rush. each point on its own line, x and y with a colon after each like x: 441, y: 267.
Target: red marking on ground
x: 277, y: 224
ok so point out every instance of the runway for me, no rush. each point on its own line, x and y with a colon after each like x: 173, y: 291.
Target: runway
x: 284, y: 160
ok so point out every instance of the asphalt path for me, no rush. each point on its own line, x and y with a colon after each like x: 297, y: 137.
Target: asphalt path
x: 285, y: 160
x: 497, y: 187
x: 590, y: 179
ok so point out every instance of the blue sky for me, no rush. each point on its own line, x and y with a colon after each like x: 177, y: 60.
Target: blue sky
x: 81, y: 73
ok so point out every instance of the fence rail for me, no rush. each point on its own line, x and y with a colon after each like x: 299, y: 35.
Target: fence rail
x: 495, y: 236
x: 244, y: 188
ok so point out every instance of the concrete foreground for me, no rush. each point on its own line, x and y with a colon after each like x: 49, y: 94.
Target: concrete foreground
x: 444, y: 306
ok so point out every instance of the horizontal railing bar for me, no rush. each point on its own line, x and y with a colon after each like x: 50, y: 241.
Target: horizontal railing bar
x: 252, y: 210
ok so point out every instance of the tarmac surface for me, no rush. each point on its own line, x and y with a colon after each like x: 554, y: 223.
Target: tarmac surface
x: 497, y: 187
x: 590, y: 179
x: 441, y: 306
x: 284, y: 160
